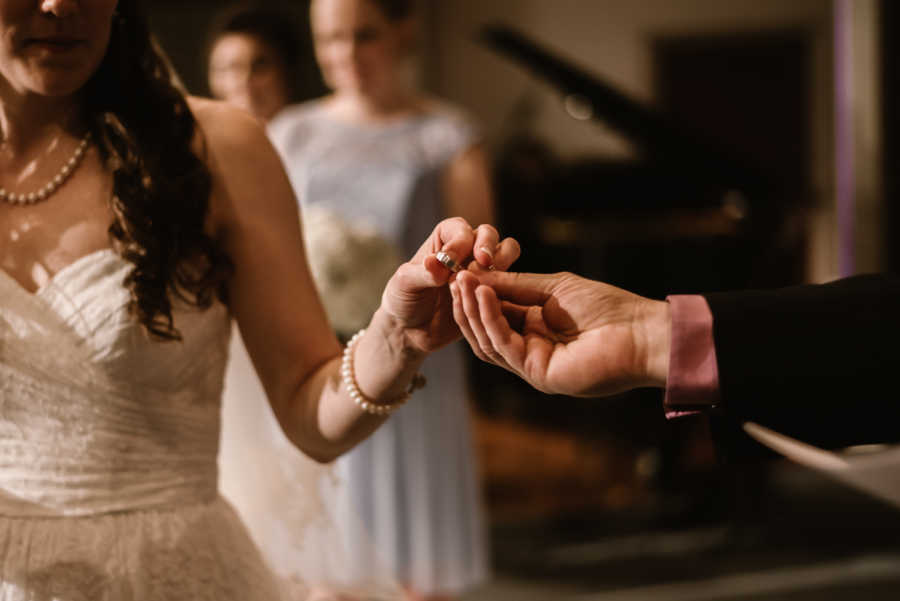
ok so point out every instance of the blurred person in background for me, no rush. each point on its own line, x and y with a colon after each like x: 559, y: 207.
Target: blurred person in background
x: 378, y: 159
x: 253, y: 59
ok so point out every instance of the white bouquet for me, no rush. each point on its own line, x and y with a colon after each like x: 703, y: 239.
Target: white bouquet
x: 350, y: 263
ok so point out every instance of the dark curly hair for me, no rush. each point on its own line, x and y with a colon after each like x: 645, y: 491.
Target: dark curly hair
x: 144, y: 130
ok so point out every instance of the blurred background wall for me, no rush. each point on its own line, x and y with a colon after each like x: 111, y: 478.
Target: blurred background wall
x: 618, y: 41
x: 757, y: 79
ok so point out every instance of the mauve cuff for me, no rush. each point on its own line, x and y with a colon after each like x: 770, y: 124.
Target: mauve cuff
x: 693, y: 382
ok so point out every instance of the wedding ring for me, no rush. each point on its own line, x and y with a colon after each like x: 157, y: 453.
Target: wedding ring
x: 447, y: 261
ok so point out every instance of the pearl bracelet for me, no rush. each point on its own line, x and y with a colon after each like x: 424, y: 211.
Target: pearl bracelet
x: 364, y: 403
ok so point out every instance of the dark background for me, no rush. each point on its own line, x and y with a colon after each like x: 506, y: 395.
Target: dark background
x: 608, y: 495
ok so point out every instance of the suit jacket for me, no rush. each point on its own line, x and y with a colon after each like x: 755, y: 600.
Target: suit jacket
x: 817, y: 362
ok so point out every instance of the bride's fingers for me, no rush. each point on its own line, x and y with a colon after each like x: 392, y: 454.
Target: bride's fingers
x: 439, y: 271
x: 487, y: 239
x: 502, y: 257
x: 411, y: 277
x: 507, y: 253
x: 453, y: 238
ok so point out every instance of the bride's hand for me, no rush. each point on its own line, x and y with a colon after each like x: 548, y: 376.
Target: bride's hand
x: 417, y: 297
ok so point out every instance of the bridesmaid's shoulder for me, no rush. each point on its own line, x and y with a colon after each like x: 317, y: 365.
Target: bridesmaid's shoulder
x: 445, y: 112
x: 297, y: 117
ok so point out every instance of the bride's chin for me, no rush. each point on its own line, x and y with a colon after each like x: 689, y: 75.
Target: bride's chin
x: 56, y: 80
x: 57, y: 87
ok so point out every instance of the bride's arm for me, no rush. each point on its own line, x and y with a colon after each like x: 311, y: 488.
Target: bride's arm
x: 253, y: 213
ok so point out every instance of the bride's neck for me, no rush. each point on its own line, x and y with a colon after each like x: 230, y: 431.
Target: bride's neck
x: 28, y: 119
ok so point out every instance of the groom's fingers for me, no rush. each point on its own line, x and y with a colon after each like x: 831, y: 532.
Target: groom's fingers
x: 515, y: 315
x: 506, y: 342
x: 459, y: 316
x: 467, y: 284
x: 521, y: 288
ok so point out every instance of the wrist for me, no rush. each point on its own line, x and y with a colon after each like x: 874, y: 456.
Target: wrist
x: 655, y: 339
x: 397, y: 340
x: 385, y: 362
x: 356, y: 395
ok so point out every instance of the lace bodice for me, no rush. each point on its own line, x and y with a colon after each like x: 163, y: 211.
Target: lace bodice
x: 108, y: 451
x: 94, y: 416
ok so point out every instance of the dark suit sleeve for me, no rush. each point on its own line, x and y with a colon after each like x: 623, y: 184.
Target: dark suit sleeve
x: 817, y: 362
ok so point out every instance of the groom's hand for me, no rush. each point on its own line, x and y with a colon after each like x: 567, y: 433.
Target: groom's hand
x: 562, y: 333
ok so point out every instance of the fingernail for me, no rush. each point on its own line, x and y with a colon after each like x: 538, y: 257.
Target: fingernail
x: 487, y: 251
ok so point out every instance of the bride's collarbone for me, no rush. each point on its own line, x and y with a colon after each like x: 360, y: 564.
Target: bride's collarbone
x: 39, y: 239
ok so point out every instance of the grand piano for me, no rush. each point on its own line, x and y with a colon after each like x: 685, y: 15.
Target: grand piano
x: 690, y: 213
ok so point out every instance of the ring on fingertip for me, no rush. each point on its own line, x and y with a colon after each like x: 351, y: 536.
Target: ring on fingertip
x: 447, y: 261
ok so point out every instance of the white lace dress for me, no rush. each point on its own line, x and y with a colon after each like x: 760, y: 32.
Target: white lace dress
x: 108, y: 443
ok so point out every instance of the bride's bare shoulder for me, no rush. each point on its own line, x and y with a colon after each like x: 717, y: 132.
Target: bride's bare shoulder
x: 242, y: 162
x: 223, y: 128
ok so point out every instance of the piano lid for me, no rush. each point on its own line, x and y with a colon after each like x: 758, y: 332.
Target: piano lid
x: 658, y: 138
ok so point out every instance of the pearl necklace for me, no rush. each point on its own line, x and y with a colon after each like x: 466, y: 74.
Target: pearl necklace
x: 53, y: 185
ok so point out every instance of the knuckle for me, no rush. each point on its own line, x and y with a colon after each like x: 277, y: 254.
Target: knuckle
x: 489, y: 229
x: 404, y: 273
x: 512, y: 245
x: 459, y: 221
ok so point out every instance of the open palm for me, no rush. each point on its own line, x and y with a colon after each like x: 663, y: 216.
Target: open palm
x: 561, y: 333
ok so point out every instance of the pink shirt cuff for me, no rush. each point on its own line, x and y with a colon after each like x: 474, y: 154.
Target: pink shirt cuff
x: 693, y: 382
